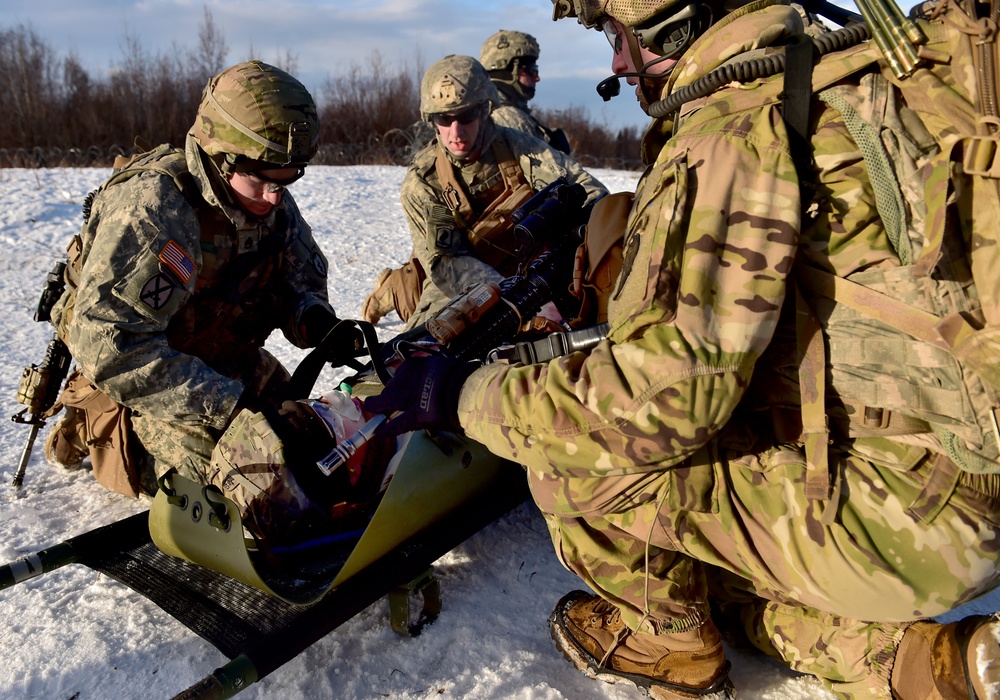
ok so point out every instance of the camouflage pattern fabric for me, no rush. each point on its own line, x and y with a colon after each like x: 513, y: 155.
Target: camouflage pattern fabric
x: 453, y: 84
x: 438, y: 242
x: 169, y: 323
x: 655, y: 467
x: 248, y: 465
x: 260, y: 112
x: 516, y: 115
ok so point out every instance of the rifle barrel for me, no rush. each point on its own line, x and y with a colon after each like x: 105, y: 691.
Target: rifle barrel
x: 25, y: 456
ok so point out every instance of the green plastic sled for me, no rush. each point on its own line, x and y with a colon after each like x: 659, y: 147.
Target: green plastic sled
x: 435, y: 476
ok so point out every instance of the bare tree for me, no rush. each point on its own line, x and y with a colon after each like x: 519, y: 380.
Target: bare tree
x: 27, y: 82
x: 289, y: 62
x: 49, y: 104
x: 210, y: 58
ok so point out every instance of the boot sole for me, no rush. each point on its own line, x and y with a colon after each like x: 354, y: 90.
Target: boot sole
x: 722, y: 689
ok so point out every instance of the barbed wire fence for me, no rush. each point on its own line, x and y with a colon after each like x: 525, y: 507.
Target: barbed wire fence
x: 394, y: 147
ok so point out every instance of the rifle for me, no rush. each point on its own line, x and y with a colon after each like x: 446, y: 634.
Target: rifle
x: 40, y: 384
x: 482, y: 323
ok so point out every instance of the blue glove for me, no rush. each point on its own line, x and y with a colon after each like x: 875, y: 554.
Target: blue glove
x: 426, y: 390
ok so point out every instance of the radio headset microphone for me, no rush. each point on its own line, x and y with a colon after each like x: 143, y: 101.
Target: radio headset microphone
x: 610, y: 87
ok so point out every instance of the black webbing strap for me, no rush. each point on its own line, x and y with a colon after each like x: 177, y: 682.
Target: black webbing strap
x: 797, y: 97
x: 305, y: 374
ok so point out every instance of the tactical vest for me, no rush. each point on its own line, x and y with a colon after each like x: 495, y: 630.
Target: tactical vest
x: 488, y: 231
x: 235, y: 304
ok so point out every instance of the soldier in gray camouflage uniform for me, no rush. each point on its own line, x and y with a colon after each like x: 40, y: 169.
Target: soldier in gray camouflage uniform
x: 461, y: 188
x: 187, y: 262
x: 511, y: 58
x: 689, y: 466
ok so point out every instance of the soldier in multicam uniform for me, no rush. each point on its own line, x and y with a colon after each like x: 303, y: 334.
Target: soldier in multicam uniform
x: 671, y: 462
x: 511, y: 58
x: 459, y: 192
x: 187, y: 262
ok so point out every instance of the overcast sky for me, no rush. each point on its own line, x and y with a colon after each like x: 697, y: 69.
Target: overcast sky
x: 326, y: 36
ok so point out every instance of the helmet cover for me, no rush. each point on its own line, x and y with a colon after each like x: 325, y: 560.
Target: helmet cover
x: 631, y: 13
x: 258, y: 111
x: 455, y: 83
x: 500, y: 50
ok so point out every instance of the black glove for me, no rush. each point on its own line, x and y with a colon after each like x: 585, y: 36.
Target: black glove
x: 426, y: 390
x: 341, y: 341
x: 307, y: 439
x: 317, y: 321
x: 303, y: 432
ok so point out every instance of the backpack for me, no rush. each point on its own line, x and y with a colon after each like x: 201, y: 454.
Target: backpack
x: 913, y: 349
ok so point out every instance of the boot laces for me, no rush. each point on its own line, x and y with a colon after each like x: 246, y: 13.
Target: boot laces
x: 608, y: 616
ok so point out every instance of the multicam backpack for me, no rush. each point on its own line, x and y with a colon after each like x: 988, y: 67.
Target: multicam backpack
x: 914, y: 349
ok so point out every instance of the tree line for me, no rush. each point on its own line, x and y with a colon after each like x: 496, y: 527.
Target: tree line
x: 55, y: 113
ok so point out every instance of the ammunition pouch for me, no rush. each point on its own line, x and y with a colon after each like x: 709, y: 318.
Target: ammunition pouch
x: 488, y: 232
x: 599, y: 258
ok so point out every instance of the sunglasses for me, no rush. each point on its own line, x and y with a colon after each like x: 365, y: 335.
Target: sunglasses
x: 529, y: 68
x: 464, y: 117
x: 271, y: 185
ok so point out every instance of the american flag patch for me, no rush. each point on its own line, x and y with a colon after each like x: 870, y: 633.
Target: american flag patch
x: 174, y: 257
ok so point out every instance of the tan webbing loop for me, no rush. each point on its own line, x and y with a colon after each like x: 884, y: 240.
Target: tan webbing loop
x: 812, y: 386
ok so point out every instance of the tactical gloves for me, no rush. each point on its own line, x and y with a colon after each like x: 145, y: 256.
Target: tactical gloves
x: 425, y: 389
x: 317, y: 321
x: 341, y: 340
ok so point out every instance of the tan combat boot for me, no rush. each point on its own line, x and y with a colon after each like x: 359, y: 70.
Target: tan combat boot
x: 957, y: 661
x: 381, y: 301
x: 590, y: 633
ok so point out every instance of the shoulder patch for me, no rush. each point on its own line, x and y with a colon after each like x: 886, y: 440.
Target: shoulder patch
x: 157, y: 291
x: 174, y: 257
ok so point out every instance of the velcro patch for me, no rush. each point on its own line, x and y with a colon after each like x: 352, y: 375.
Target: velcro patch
x: 174, y: 257
x: 157, y: 291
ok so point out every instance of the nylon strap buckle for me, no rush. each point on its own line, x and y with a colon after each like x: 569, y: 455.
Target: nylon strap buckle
x: 981, y: 156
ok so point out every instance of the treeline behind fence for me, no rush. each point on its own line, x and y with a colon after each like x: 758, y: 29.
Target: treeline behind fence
x: 55, y: 114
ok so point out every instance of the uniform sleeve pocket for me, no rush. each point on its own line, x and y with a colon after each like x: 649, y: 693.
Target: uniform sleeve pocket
x: 653, y: 247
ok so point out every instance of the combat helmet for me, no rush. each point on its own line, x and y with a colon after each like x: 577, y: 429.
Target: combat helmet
x: 256, y: 111
x: 504, y: 54
x: 456, y: 83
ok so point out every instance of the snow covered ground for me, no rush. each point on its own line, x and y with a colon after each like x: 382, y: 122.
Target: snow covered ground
x: 74, y: 634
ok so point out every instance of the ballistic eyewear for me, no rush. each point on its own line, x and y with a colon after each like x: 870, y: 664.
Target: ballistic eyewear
x: 613, y: 36
x: 464, y: 117
x: 271, y: 185
x: 529, y: 68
